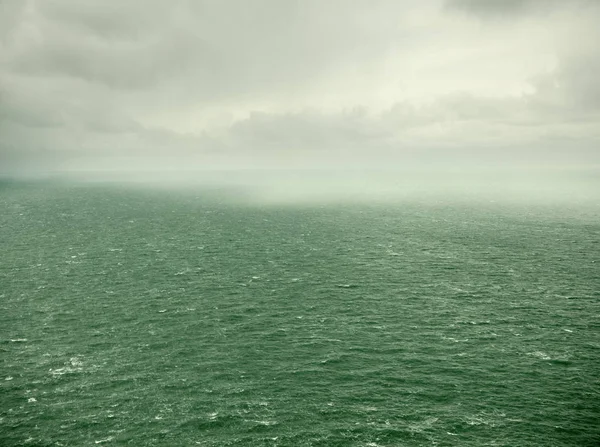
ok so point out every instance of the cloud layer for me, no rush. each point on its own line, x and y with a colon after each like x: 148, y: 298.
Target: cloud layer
x: 201, y: 84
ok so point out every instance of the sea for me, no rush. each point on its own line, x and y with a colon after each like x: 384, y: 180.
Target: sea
x: 146, y: 317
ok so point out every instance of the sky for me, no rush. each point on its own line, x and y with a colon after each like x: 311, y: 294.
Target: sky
x: 195, y: 85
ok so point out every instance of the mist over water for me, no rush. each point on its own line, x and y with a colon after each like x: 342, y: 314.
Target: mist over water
x: 347, y: 185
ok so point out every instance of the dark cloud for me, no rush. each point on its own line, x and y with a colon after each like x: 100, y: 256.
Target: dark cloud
x: 502, y: 8
x: 513, y: 9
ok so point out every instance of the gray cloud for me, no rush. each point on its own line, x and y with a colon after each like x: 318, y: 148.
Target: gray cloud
x: 496, y: 7
x: 205, y: 84
x: 513, y: 8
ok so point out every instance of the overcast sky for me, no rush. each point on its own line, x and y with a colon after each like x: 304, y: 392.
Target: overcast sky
x: 157, y: 84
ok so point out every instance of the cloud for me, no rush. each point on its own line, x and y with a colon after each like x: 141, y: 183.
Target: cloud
x: 186, y: 84
x: 513, y: 8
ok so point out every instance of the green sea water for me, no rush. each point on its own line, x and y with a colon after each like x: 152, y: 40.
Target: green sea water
x: 140, y: 318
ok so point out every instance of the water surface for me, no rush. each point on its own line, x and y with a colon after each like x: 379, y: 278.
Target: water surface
x: 150, y: 319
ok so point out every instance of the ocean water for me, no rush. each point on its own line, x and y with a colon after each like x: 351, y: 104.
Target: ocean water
x: 140, y: 318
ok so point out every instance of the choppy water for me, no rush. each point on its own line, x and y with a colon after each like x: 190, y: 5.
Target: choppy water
x: 131, y: 318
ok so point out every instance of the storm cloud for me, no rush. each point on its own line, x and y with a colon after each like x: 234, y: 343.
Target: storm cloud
x: 202, y: 84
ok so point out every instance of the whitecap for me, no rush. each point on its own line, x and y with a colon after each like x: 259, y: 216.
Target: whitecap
x: 540, y: 355
x: 266, y: 423
x: 75, y: 362
x: 65, y: 370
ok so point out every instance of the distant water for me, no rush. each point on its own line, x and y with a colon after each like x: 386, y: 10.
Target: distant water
x: 163, y: 319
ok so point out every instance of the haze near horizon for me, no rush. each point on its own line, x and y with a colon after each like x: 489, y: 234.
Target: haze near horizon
x: 165, y: 91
